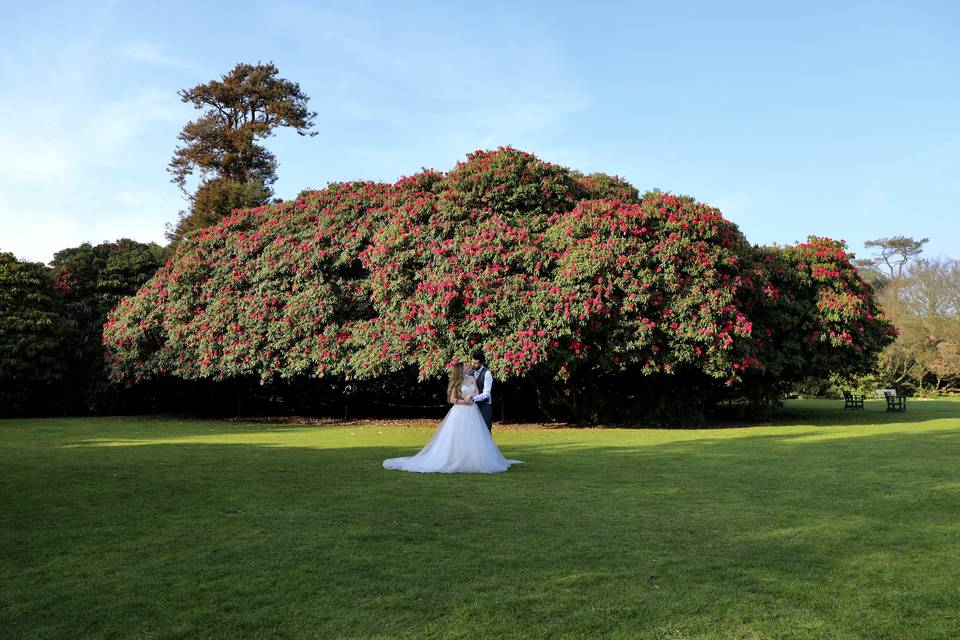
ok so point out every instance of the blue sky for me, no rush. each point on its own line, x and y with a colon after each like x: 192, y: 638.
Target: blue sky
x: 837, y: 118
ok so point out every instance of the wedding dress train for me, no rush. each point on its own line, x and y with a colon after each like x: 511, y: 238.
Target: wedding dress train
x: 462, y: 444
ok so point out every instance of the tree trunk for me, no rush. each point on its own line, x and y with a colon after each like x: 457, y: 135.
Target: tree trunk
x: 542, y: 405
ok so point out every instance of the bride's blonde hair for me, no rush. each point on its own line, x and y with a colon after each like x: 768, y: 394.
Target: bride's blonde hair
x: 456, y: 379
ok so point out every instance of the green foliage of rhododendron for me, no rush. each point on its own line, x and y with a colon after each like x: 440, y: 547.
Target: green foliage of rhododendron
x: 577, y: 284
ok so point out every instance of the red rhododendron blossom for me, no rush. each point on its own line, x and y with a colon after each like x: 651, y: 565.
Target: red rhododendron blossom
x: 554, y: 274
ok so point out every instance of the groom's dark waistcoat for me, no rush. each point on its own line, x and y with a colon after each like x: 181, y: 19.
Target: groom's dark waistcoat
x: 481, y: 379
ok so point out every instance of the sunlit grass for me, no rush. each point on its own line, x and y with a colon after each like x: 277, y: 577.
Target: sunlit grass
x: 825, y: 524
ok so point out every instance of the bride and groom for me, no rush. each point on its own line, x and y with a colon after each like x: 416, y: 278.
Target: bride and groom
x: 463, y: 443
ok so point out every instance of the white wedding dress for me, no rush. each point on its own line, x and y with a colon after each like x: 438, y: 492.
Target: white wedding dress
x: 462, y: 444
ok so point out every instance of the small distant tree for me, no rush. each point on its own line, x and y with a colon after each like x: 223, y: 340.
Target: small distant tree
x: 896, y: 252
x: 246, y: 105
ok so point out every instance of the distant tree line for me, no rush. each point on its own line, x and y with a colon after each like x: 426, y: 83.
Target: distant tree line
x: 922, y: 295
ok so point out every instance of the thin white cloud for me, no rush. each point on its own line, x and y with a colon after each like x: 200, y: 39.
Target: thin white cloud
x: 35, y: 228
x: 37, y: 236
x: 20, y: 164
x: 80, y: 161
x: 151, y: 53
x: 449, y: 92
x: 52, y: 145
x: 118, y: 122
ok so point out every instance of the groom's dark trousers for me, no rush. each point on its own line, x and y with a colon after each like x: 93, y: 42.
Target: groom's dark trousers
x: 486, y: 410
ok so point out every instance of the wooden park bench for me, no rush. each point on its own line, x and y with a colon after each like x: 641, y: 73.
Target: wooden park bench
x: 895, y: 402
x: 851, y: 401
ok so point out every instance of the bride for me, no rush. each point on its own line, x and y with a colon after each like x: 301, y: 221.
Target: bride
x: 462, y: 444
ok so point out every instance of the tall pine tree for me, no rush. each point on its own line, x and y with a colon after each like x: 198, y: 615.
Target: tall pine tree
x: 222, y: 147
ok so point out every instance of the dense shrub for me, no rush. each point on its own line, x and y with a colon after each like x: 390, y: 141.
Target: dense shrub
x: 815, y: 318
x: 35, y: 337
x: 604, y: 303
x: 91, y: 280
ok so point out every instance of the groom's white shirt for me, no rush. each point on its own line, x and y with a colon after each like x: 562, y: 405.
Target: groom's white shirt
x: 487, y: 386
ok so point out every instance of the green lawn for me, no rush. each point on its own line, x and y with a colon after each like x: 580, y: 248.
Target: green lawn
x: 829, y: 524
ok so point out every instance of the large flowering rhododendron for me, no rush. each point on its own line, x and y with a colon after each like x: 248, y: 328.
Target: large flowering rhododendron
x: 560, y: 278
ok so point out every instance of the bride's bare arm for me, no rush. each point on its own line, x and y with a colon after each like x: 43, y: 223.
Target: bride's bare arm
x: 453, y: 399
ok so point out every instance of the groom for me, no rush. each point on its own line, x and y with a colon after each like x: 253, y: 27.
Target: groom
x: 484, y: 378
